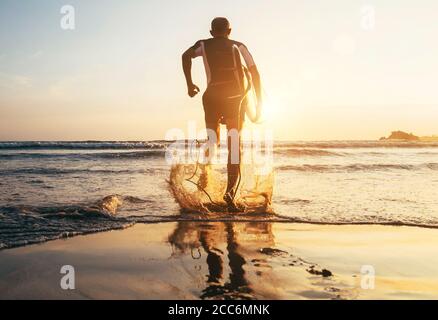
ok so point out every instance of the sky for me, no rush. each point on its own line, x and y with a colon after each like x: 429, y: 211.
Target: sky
x: 330, y: 70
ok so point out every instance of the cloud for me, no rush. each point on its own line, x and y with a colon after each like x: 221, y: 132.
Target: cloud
x: 36, y: 54
x: 14, y: 80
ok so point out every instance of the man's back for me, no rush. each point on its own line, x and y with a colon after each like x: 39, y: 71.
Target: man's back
x: 222, y: 59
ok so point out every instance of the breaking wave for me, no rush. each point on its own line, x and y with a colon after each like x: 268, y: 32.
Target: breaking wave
x: 356, y: 167
x: 294, y: 152
x: 23, y: 225
x: 153, y: 153
x: 60, y: 171
x: 82, y: 145
x: 162, y: 144
x: 357, y: 144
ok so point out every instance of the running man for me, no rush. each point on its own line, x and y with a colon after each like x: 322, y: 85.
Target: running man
x: 224, y: 97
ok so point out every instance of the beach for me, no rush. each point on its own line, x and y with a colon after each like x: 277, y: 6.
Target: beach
x: 348, y: 220
x: 155, y: 150
x: 228, y: 260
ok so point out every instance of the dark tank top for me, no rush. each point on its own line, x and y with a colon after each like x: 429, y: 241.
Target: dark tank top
x: 223, y: 65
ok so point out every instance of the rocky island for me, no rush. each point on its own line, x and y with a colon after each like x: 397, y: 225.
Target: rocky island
x: 404, y: 136
x: 400, y: 135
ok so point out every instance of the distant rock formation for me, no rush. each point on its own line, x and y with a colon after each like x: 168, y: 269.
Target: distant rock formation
x: 400, y: 135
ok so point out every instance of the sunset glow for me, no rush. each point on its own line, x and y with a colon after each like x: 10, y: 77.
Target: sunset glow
x: 117, y: 76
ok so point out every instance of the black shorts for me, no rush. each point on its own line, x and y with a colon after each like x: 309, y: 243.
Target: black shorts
x: 220, y: 105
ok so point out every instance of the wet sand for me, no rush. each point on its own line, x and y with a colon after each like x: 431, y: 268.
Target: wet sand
x: 218, y: 260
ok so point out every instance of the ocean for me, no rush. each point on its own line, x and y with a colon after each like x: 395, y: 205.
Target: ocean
x: 52, y: 190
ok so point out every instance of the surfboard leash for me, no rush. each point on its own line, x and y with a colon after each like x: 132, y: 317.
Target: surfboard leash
x: 194, y: 174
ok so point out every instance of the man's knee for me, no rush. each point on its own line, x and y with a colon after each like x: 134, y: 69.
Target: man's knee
x: 212, y: 133
x: 209, y: 147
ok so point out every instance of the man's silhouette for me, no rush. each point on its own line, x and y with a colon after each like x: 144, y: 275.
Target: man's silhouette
x: 225, y: 92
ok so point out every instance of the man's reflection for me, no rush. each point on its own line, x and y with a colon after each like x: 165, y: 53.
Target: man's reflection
x: 236, y: 242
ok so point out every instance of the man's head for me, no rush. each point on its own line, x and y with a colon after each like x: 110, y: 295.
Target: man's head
x: 220, y: 27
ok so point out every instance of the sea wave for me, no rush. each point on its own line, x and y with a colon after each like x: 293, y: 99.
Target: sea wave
x: 162, y: 144
x: 82, y: 145
x: 143, y: 154
x: 105, y: 207
x: 61, y: 171
x: 23, y: 225
x: 356, y: 167
x: 153, y: 153
x: 300, y: 152
x: 357, y: 144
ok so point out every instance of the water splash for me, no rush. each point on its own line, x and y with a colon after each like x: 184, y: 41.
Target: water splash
x: 254, y: 193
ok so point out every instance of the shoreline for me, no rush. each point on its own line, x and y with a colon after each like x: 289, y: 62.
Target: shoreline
x: 228, y: 260
x: 224, y: 220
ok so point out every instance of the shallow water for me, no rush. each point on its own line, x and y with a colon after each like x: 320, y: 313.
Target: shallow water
x: 58, y: 189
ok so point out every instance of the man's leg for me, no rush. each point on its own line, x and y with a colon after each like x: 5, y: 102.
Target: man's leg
x: 213, y: 136
x: 234, y: 155
x: 213, y: 131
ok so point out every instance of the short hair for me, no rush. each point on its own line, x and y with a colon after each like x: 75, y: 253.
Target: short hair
x: 220, y: 24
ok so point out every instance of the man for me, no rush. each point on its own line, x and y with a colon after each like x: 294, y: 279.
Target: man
x: 225, y: 92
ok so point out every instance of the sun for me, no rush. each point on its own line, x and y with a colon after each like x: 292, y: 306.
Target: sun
x: 269, y: 111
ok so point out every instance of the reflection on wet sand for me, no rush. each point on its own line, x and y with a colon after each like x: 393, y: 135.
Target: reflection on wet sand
x: 242, y: 260
x: 221, y: 242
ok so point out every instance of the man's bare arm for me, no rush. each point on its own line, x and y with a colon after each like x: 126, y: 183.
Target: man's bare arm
x: 187, y: 57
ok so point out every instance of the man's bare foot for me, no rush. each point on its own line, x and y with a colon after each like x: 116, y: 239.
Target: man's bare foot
x: 232, y: 207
